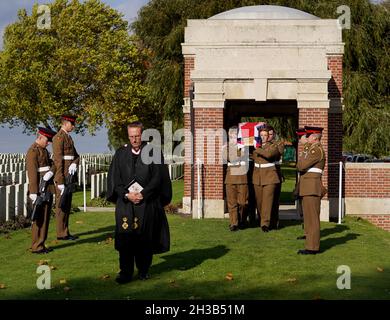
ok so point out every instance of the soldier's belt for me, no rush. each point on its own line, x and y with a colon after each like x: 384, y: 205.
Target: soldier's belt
x: 316, y: 170
x: 264, y: 165
x: 43, y: 169
x: 238, y: 163
x: 68, y: 157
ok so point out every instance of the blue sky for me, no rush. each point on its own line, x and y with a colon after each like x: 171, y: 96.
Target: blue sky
x: 14, y: 140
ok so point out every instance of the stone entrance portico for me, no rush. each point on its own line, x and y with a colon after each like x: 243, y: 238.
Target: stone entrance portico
x: 260, y: 53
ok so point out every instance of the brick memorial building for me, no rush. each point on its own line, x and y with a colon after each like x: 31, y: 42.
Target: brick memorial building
x: 266, y: 61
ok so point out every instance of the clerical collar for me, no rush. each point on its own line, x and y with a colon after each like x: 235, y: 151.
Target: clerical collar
x: 135, y: 152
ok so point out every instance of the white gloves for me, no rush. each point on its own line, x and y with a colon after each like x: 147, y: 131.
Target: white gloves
x: 48, y: 175
x: 61, y: 187
x: 33, y: 197
x: 72, y: 169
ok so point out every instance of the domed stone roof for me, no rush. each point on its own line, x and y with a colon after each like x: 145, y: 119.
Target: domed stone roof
x: 265, y: 12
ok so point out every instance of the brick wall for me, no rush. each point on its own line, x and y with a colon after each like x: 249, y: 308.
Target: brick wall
x: 189, y: 64
x: 369, y: 182
x: 381, y: 221
x: 212, y: 174
x: 335, y: 86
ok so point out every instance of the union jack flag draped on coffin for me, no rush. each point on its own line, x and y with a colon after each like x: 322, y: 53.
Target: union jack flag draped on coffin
x: 248, y: 134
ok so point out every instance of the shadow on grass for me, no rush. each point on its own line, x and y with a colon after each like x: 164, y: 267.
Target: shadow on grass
x: 104, y: 234
x: 332, y: 242
x: 188, y: 259
x: 336, y: 229
x: 289, y: 223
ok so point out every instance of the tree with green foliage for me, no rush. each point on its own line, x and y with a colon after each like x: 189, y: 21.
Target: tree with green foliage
x: 160, y: 27
x: 85, y: 63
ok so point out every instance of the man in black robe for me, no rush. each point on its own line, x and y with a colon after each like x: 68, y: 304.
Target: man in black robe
x: 140, y: 190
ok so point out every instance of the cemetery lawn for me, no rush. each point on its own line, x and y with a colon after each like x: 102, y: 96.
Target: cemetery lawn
x: 206, y: 261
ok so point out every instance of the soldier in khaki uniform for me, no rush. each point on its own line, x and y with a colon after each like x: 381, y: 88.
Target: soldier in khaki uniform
x: 265, y: 178
x: 40, y: 166
x: 275, y: 206
x: 311, y: 166
x: 302, y: 140
x: 66, y: 160
x: 236, y: 182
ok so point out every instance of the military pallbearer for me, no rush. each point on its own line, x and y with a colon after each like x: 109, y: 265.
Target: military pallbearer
x: 40, y: 170
x: 310, y: 166
x: 66, y: 160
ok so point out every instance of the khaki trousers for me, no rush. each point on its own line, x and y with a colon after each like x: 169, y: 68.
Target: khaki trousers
x: 264, y: 200
x: 40, y: 227
x: 237, y: 201
x: 311, y: 206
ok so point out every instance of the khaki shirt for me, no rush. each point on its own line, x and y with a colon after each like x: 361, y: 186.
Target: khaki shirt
x: 36, y: 158
x: 310, y: 183
x: 280, y: 145
x: 266, y: 154
x: 63, y: 146
x: 236, y: 172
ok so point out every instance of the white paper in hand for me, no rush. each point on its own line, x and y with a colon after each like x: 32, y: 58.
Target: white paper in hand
x: 135, y: 187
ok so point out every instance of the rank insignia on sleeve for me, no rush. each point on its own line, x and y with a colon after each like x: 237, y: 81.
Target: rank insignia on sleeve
x: 124, y: 224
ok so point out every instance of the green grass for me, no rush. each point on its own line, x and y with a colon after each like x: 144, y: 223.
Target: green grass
x: 177, y: 191
x: 288, y: 185
x: 203, y: 252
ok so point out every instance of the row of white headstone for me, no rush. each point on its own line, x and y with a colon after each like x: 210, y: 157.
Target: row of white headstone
x: 99, y: 180
x: 13, y: 193
x: 13, y: 201
x: 98, y: 184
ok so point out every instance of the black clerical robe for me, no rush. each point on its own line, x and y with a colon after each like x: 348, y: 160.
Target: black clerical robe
x: 147, y: 219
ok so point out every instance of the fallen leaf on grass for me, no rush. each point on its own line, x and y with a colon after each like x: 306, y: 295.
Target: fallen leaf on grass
x: 79, y: 222
x: 292, y: 280
x: 63, y: 281
x: 54, y: 242
x: 229, y: 276
x: 2, y: 286
x: 379, y: 269
x: 173, y: 284
x: 104, y: 277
